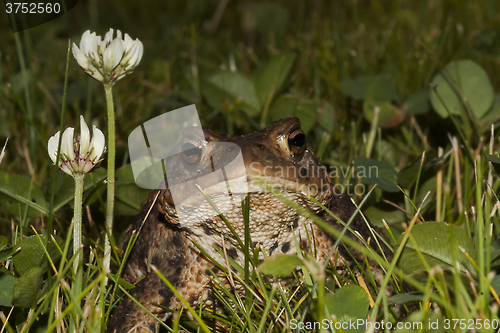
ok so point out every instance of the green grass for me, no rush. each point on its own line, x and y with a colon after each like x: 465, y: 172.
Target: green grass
x: 185, y: 46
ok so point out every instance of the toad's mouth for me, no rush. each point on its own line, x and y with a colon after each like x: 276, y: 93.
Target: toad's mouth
x: 198, y: 191
x: 188, y: 203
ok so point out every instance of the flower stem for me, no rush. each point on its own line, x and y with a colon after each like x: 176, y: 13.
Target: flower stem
x: 110, y: 204
x: 77, y: 219
x: 77, y: 238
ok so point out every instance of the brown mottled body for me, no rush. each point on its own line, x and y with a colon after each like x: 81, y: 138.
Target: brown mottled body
x: 166, y: 242
x: 170, y: 251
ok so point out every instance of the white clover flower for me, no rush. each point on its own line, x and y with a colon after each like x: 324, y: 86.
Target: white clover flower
x: 110, y: 59
x: 80, y: 154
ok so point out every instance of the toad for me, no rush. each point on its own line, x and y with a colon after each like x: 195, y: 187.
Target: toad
x: 171, y: 234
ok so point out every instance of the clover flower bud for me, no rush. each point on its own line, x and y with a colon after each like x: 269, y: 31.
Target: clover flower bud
x: 80, y: 154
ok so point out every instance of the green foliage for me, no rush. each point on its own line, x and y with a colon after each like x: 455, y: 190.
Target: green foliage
x: 32, y: 253
x: 3, y: 242
x: 128, y: 195
x: 271, y: 18
x: 495, y: 161
x: 375, y: 172
x: 280, y: 266
x: 228, y: 90
x: 492, y: 116
x: 488, y: 41
x: 7, y: 281
x: 495, y: 283
x: 233, y: 91
x: 348, y: 304
x: 411, y: 297
x: 272, y: 75
x: 287, y: 106
x: 65, y: 187
x: 409, y: 174
x: 381, y: 211
x: 381, y: 94
x: 436, y: 244
x: 14, y: 188
x: 377, y: 92
x: 357, y: 87
x: 419, y: 102
x: 27, y: 289
x: 462, y: 81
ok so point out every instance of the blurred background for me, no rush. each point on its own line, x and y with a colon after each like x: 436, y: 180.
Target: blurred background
x: 324, y: 54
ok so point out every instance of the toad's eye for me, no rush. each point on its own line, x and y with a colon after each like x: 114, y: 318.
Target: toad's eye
x: 191, y: 151
x: 297, y: 141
